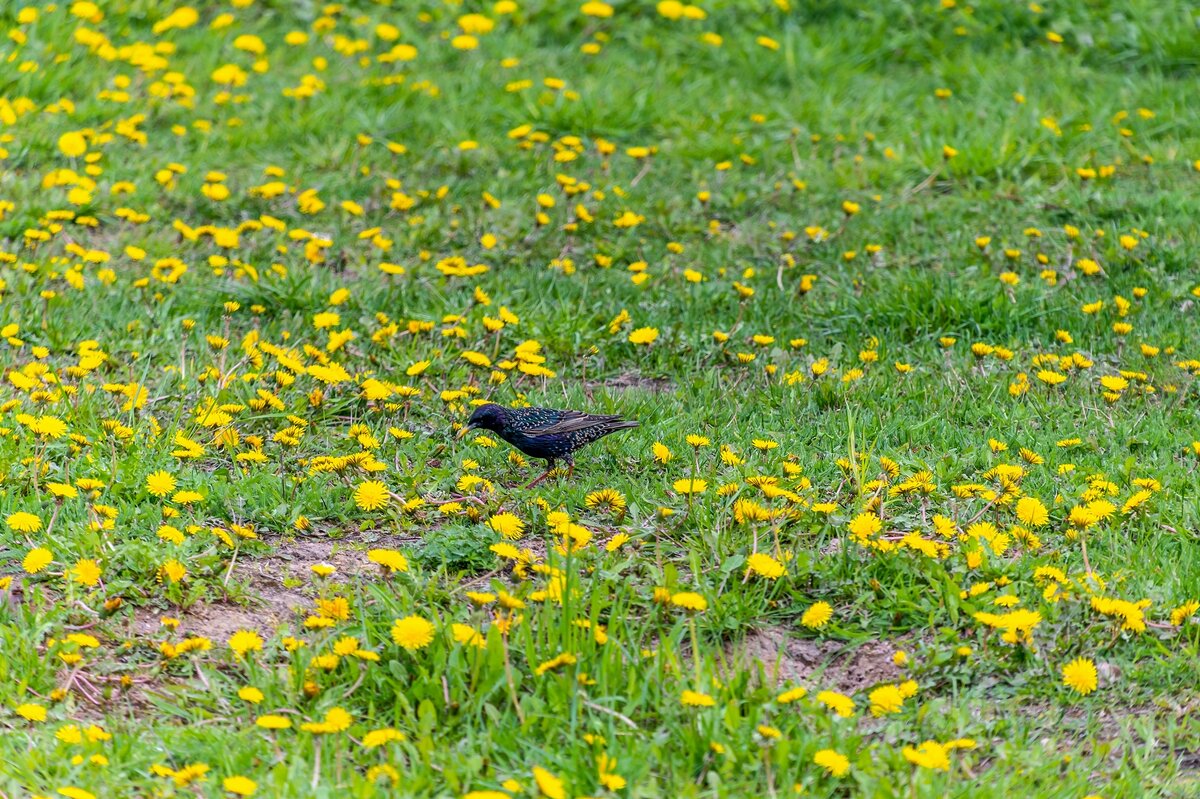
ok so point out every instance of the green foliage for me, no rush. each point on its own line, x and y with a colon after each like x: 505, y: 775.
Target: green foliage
x: 901, y: 264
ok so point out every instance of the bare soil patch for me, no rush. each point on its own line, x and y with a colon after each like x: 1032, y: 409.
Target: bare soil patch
x: 633, y: 380
x: 279, y: 588
x: 215, y: 620
x: 783, y: 658
x: 283, y: 579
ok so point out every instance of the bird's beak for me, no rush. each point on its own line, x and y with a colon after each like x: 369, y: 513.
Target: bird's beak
x: 465, y: 429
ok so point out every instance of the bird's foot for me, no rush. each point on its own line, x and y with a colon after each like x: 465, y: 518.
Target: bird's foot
x: 545, y: 474
x: 556, y: 470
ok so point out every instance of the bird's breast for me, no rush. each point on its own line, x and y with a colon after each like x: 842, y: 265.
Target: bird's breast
x: 536, y: 446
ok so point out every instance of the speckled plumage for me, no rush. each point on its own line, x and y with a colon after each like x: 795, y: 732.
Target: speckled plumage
x: 546, y: 433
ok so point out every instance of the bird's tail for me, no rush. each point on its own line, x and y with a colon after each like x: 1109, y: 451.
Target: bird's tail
x: 623, y: 424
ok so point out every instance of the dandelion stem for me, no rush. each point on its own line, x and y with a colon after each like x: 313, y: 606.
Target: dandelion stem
x: 1083, y: 548
x: 512, y: 687
x: 37, y: 465
x: 602, y: 709
x: 695, y: 649
x: 53, y: 517
x: 316, y: 775
x: 229, y: 571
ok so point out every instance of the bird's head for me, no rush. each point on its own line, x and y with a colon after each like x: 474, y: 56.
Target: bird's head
x: 488, y: 417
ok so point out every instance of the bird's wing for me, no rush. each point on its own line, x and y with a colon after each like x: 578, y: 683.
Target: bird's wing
x: 569, y: 422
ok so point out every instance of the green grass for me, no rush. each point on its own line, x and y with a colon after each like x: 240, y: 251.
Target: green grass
x: 755, y: 153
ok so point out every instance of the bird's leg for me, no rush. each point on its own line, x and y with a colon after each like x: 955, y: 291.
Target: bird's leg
x: 545, y: 474
x: 570, y: 468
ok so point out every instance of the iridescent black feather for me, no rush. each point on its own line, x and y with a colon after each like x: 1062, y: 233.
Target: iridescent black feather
x: 546, y: 433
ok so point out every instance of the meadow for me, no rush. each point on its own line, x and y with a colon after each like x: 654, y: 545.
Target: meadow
x: 903, y: 294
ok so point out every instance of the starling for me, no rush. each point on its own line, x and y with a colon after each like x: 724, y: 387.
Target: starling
x: 545, y: 433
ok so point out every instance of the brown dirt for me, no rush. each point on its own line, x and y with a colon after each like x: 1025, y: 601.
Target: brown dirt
x: 216, y: 620
x: 283, y: 579
x: 633, y: 380
x: 820, y: 664
x: 1110, y: 721
x: 279, y: 589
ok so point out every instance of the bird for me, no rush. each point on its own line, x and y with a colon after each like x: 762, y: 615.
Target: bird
x: 545, y: 433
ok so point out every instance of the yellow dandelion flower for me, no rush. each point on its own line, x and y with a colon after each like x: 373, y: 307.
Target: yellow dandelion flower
x: 764, y: 566
x: 1031, y: 511
x: 791, y: 695
x: 389, y: 559
x: 36, y: 560
x: 930, y: 755
x: 160, y: 483
x: 606, y: 499
x: 381, y: 736
x: 817, y: 616
x: 643, y: 335
x: 23, y: 522
x: 371, y: 495
x: 85, y: 572
x: 244, y: 641
x: 834, y: 763
x: 885, y: 700
x: 273, y: 722
x: 1080, y: 676
x: 689, y: 600
x: 412, y: 633
x: 508, y: 525
x: 838, y: 703
x: 239, y: 786
x: 696, y: 699
x: 548, y: 785
x: 865, y: 525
